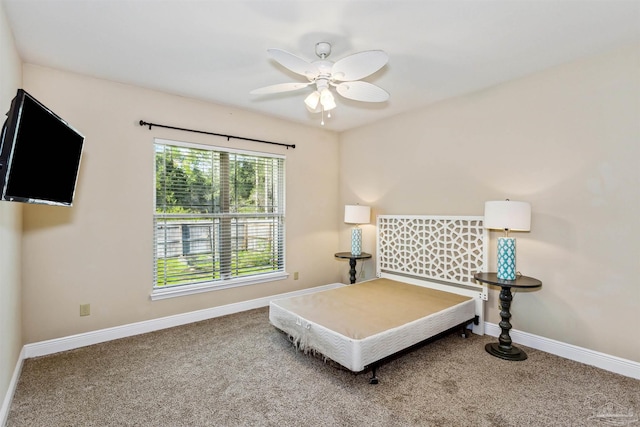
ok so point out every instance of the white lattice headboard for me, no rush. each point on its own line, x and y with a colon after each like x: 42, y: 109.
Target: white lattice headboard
x: 447, y: 249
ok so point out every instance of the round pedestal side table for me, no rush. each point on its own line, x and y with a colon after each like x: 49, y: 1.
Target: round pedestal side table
x: 504, y: 349
x: 352, y: 262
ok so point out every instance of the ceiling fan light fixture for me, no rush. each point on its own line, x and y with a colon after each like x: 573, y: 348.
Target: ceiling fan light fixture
x: 312, y: 101
x: 327, y: 100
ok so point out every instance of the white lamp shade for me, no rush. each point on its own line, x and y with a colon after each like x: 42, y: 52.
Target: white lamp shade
x: 507, y: 215
x: 356, y: 214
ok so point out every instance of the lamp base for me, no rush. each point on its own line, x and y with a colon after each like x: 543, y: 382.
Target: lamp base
x: 356, y: 241
x: 506, y: 258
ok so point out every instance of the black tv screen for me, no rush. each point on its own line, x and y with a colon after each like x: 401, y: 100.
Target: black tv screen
x: 40, y: 154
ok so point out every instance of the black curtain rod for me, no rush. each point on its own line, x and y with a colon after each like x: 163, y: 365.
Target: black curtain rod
x: 143, y: 123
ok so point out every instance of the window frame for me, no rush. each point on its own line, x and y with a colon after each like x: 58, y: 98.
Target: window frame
x: 163, y: 292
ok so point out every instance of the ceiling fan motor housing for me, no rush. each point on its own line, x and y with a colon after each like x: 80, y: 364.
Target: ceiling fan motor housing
x: 323, y: 70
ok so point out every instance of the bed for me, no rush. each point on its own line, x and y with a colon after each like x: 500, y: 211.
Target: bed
x: 424, y: 287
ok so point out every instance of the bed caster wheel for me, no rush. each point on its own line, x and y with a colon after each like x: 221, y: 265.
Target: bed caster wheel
x: 373, y: 381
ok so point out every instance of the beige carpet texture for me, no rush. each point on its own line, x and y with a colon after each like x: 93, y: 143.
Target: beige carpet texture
x: 238, y: 370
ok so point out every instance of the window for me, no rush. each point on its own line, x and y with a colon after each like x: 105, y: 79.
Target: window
x: 218, y: 220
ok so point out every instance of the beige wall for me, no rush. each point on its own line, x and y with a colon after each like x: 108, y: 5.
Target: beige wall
x: 566, y: 140
x: 100, y: 250
x: 10, y: 226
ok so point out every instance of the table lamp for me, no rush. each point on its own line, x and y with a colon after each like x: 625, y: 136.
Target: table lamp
x: 508, y: 216
x: 356, y: 214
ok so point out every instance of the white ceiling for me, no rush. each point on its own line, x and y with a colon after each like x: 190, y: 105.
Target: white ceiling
x: 216, y: 50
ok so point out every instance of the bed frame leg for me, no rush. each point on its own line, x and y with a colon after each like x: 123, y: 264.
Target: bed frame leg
x: 374, y: 378
x: 464, y: 333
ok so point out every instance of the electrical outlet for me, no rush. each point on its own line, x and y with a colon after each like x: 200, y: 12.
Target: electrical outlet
x: 295, y: 276
x: 85, y: 309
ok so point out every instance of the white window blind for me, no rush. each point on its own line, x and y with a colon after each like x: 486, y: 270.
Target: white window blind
x: 219, y: 216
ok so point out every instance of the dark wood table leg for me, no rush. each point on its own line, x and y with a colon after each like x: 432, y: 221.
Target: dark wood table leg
x: 503, y: 348
x: 352, y: 271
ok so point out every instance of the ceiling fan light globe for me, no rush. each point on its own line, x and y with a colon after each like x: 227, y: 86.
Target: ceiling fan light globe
x: 327, y: 100
x: 312, y: 100
x: 329, y: 106
x: 314, y: 110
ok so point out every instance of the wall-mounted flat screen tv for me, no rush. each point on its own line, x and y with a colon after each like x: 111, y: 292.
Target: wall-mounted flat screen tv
x: 39, y: 156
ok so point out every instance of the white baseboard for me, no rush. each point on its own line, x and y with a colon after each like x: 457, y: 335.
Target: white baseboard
x: 607, y: 362
x: 590, y: 357
x: 44, y: 348
x: 604, y: 361
x: 57, y: 345
x: 8, y: 398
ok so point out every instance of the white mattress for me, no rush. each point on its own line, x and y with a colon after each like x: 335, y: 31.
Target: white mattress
x: 356, y: 350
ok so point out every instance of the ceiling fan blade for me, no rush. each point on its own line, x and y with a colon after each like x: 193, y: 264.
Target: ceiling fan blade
x: 359, y: 65
x: 282, y: 87
x: 362, y: 91
x: 294, y: 63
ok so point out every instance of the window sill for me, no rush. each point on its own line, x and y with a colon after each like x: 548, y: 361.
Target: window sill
x: 179, y: 291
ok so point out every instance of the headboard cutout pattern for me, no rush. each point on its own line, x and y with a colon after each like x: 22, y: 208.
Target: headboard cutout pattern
x: 443, y: 248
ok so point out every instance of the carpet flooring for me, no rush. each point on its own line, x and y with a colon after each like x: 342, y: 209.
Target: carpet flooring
x: 238, y: 370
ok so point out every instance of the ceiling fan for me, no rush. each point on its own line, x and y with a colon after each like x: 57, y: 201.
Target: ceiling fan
x: 343, y: 74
